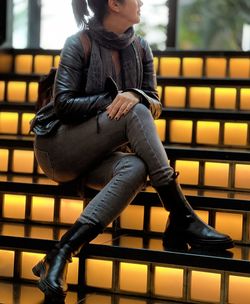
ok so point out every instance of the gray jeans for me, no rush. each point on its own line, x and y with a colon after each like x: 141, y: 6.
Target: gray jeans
x: 78, y: 150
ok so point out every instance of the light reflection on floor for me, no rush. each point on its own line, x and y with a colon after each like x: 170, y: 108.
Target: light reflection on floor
x: 30, y: 294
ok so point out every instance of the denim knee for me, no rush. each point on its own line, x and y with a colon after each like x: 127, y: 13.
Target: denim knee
x: 133, y: 171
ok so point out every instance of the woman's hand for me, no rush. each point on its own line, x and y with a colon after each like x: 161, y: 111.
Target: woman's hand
x: 122, y: 104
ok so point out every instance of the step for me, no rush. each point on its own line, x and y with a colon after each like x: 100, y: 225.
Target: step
x: 199, y: 166
x: 196, y: 93
x: 218, y: 129
x: 168, y: 63
x: 38, y: 200
x: 133, y: 266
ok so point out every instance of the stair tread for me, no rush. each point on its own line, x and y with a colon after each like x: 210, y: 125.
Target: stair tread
x: 199, y: 198
x: 125, y: 246
x: 173, y: 150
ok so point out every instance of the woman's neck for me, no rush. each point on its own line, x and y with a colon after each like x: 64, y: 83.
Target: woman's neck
x: 112, y: 24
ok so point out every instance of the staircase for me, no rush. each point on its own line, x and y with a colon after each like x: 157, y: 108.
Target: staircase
x: 205, y: 130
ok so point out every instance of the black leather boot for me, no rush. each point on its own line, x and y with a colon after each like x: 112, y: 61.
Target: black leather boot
x: 183, y: 225
x: 52, y: 270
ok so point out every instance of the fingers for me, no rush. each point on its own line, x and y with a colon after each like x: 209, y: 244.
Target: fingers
x: 120, y: 106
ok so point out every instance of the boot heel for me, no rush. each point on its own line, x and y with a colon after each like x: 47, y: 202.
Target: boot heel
x: 37, y: 269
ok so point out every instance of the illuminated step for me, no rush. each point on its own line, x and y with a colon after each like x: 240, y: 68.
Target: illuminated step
x: 172, y: 63
x: 128, y: 263
x: 202, y: 64
x: 210, y: 94
x: 198, y: 166
x: 37, y: 202
x: 33, y: 62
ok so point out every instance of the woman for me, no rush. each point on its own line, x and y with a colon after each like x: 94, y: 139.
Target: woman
x: 101, y: 103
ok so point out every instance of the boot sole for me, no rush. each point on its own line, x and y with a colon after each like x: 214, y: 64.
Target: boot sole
x: 173, y: 240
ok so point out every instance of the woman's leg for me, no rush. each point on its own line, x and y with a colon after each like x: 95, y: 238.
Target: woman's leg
x: 119, y: 177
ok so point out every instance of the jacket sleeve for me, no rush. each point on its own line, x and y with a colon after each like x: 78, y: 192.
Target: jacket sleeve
x: 148, y: 92
x: 70, y: 102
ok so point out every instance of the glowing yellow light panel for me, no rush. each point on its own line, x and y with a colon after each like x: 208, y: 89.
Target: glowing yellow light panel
x: 72, y: 276
x: 16, y: 91
x: 23, y: 161
x: 28, y: 292
x: 23, y: 64
x: 8, y: 122
x: 205, y: 286
x: 239, y: 67
x: 161, y: 127
x: 170, y: 66
x: 158, y: 219
x: 4, y: 156
x: 70, y: 210
x: 28, y: 260
x: 225, y: 98
x: 235, y: 134
x: 14, y: 206
x: 132, y: 217
x: 175, y: 97
x: 131, y: 242
x: 216, y: 174
x: 241, y: 171
x: 94, y: 299
x: 5, y: 63
x: 43, y: 64
x: 208, y: 132
x: 99, y: 273
x: 41, y: 232
x: 159, y: 90
x: 2, y: 90
x: 245, y: 99
x: 181, y: 131
x: 239, y: 291
x: 26, y: 118
x: 33, y: 90
x: 133, y: 277
x: 132, y: 301
x: 189, y: 171
x: 42, y: 208
x: 7, y: 263
x: 200, y: 97
x: 7, y: 291
x: 56, y: 61
x: 192, y: 67
x: 156, y: 64
x: 230, y: 223
x: 216, y: 67
x: 168, y: 282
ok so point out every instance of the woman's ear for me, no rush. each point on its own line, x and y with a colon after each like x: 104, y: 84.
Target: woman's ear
x: 114, y: 5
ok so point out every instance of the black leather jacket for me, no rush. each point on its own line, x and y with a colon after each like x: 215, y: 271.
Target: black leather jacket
x: 71, y: 105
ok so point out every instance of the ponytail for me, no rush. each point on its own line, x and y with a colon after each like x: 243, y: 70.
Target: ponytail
x: 81, y: 12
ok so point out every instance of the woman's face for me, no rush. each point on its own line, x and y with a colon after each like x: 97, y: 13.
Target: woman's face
x: 130, y: 11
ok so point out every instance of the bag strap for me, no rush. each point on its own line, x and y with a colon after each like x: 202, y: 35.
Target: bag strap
x: 86, y: 45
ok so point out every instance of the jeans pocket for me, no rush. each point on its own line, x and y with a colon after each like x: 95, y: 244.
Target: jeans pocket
x: 44, y: 162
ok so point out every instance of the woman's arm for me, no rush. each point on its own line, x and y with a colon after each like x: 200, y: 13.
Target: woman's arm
x: 70, y: 103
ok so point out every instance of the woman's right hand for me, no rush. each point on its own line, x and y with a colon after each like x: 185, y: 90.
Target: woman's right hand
x: 122, y: 104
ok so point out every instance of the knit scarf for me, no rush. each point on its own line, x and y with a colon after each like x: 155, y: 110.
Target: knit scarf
x: 100, y: 65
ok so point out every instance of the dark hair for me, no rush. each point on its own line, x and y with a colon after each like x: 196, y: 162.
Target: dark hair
x: 81, y: 11
x: 82, y: 14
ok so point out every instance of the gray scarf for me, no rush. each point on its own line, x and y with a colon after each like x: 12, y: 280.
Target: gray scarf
x: 100, y: 67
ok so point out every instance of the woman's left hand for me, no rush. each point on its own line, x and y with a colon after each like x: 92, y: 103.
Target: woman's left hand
x: 122, y: 104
